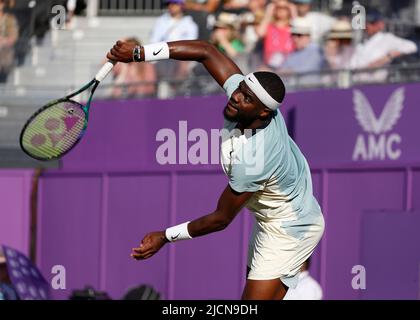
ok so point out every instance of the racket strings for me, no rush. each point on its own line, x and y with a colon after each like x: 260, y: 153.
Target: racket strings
x: 54, y: 130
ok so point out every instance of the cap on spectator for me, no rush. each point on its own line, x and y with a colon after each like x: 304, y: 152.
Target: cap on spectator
x: 226, y: 20
x: 302, y: 1
x: 301, y: 26
x: 374, y: 15
x: 174, y: 1
x: 341, y: 30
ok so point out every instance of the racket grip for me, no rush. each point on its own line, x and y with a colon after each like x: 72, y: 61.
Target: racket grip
x: 105, y: 70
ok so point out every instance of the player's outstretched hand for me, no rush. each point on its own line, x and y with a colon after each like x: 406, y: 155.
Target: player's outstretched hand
x: 150, y: 244
x: 122, y: 52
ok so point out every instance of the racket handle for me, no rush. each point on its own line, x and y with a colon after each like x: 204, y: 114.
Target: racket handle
x: 105, y: 70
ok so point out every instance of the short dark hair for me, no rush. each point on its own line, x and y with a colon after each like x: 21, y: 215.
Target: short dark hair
x: 272, y: 84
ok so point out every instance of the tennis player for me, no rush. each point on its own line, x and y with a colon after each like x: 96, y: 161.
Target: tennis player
x: 267, y: 172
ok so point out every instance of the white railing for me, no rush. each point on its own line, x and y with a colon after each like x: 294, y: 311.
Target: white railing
x: 130, y: 7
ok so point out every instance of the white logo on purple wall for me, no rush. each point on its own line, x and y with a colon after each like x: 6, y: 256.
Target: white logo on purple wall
x: 358, y: 282
x: 377, y: 143
x: 58, y: 282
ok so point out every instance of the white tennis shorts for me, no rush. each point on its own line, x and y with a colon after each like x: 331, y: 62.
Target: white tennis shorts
x: 274, y: 253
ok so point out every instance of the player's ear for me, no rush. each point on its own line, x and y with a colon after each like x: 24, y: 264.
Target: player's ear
x: 265, y: 113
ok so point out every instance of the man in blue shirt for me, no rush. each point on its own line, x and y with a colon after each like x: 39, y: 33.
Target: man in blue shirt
x: 266, y: 172
x: 307, y: 56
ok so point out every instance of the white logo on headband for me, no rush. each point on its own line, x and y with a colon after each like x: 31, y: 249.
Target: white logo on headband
x: 262, y: 94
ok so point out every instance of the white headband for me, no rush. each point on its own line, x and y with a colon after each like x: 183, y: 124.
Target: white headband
x: 260, y: 92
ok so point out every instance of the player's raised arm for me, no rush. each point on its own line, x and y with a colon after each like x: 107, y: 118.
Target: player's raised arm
x: 217, y: 64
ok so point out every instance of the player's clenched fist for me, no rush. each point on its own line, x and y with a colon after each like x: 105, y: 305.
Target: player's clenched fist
x: 122, y: 52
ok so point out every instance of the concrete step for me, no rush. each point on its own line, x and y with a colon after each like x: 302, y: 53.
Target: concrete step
x: 69, y: 58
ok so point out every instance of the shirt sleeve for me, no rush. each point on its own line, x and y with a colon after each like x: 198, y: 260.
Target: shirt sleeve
x: 402, y: 45
x: 241, y: 181
x: 248, y: 171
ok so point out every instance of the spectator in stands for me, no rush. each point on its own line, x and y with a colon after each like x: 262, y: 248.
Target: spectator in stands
x: 172, y: 26
x: 250, y: 22
x: 74, y: 8
x: 379, y: 48
x: 203, y: 14
x: 307, y: 288
x: 134, y: 79
x: 307, y: 56
x: 275, y: 29
x: 23, y: 10
x: 71, y: 8
x: 42, y: 17
x: 338, y: 47
x: 235, y: 6
x: 226, y: 36
x: 320, y: 23
x: 8, y: 35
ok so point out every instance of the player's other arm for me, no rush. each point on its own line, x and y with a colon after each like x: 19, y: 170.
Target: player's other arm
x: 220, y: 66
x: 228, y: 206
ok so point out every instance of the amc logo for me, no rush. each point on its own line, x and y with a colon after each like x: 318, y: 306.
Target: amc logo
x: 377, y: 143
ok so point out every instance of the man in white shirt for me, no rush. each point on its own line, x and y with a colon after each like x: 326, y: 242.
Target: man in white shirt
x: 379, y: 48
x: 320, y: 23
x: 307, y: 288
x: 174, y: 26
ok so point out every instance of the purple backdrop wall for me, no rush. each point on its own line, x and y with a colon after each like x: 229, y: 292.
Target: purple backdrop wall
x: 362, y: 148
x: 15, y: 189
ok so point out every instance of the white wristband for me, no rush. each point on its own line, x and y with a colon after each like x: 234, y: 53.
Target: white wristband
x: 178, y: 232
x: 156, y: 51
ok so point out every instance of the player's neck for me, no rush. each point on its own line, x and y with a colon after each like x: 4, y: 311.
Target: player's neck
x: 254, y: 125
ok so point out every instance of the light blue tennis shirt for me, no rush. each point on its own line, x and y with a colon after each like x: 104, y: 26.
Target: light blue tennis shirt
x: 269, y: 163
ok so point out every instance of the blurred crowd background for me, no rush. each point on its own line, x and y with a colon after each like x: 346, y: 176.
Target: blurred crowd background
x: 50, y: 48
x: 312, y: 44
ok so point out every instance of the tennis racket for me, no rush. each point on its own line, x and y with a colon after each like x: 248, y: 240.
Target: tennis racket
x: 58, y: 126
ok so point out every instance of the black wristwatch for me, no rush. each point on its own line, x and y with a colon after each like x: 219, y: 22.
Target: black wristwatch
x: 136, y: 54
